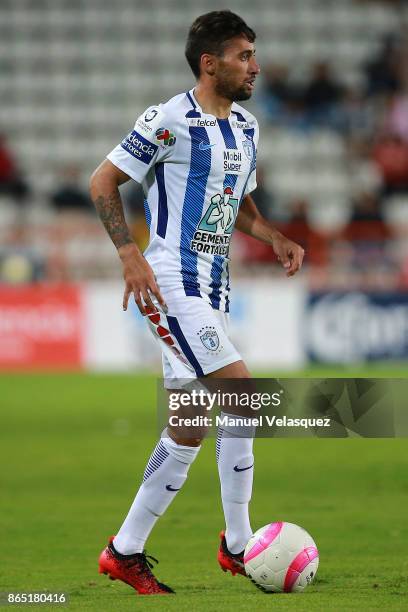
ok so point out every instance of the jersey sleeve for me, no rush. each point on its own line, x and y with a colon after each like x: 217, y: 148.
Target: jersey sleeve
x: 150, y: 142
x: 252, y: 184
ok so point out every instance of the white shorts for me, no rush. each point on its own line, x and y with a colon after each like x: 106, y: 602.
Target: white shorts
x: 193, y: 338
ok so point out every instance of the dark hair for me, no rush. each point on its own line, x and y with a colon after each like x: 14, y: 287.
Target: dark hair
x: 211, y: 32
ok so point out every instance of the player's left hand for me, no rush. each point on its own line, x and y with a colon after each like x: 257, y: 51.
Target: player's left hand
x: 288, y: 253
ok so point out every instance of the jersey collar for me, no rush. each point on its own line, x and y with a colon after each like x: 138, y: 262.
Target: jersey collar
x: 198, y: 108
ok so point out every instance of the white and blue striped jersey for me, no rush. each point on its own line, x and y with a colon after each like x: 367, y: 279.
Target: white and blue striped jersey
x: 195, y: 169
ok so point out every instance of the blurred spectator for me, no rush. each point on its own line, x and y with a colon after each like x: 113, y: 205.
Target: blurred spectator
x: 366, y: 208
x: 276, y: 83
x: 383, y: 72
x: 391, y: 156
x: 280, y: 97
x: 264, y: 200
x: 364, y: 174
x: 299, y: 208
x: 299, y: 229
x: 11, y: 181
x: 396, y: 115
x: 368, y: 233
x: 69, y: 195
x: 356, y: 117
x: 302, y: 108
x: 19, y: 265
x: 321, y: 94
x: 403, y: 278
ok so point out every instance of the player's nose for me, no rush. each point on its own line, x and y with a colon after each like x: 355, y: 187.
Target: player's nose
x: 254, y: 67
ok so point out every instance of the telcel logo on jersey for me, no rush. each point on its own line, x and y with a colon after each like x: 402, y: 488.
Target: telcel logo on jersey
x: 198, y: 122
x: 139, y: 147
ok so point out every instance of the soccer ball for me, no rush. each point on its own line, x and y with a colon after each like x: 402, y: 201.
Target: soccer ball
x: 281, y: 558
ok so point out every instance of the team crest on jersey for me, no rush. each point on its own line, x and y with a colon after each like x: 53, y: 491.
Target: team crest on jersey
x: 213, y: 234
x: 209, y: 338
x: 151, y: 114
x: 247, y: 146
x: 149, y: 121
x: 165, y: 137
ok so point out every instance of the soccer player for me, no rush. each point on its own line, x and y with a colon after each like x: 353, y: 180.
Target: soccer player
x: 195, y: 157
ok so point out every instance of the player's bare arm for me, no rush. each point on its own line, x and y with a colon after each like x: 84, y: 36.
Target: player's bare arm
x: 137, y: 273
x: 251, y: 222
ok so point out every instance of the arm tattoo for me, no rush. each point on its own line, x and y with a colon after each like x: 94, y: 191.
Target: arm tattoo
x: 110, y: 211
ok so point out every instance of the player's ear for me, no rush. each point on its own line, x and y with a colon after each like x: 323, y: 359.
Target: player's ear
x: 208, y: 64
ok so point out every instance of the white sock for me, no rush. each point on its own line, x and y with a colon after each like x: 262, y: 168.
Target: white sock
x: 235, y: 467
x: 165, y: 474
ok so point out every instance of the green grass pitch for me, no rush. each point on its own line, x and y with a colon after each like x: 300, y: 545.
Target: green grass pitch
x: 74, y: 447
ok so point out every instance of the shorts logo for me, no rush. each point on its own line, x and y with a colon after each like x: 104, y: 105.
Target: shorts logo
x: 165, y: 137
x: 210, y: 338
x: 139, y: 147
x: 150, y: 115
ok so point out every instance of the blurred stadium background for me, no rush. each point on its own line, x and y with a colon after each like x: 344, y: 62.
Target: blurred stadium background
x: 332, y: 102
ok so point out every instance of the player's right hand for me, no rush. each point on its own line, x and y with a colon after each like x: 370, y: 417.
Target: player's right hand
x: 139, y: 280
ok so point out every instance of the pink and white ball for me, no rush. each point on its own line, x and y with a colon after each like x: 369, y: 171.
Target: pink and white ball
x: 281, y: 558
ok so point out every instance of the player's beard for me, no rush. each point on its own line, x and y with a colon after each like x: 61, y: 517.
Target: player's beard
x: 227, y: 88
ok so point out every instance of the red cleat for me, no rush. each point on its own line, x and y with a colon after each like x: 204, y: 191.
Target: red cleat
x: 135, y: 570
x: 228, y: 561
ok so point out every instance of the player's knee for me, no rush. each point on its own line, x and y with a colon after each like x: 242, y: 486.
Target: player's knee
x: 194, y: 442
x: 184, y: 441
x: 182, y: 449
